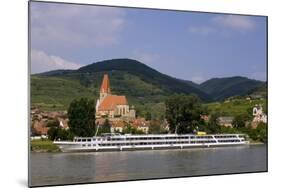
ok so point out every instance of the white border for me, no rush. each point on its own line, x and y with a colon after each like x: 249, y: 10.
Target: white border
x: 13, y: 37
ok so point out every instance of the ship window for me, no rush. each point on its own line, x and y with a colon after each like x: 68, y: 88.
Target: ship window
x: 89, y: 145
x: 89, y: 140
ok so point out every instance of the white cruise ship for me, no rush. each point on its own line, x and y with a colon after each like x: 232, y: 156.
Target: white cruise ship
x: 117, y: 142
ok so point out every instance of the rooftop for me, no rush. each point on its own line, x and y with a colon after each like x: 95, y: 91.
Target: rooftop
x: 110, y: 102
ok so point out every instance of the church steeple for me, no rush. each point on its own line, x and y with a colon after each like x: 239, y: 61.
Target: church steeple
x: 105, y: 87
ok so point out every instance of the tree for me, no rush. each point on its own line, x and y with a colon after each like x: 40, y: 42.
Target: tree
x: 81, y: 114
x: 56, y: 132
x: 155, y: 127
x: 183, y: 113
x: 129, y: 129
x: 105, y: 127
x: 259, y: 133
x: 53, y: 123
x: 240, y: 120
x: 53, y: 133
x: 262, y: 132
x: 148, y: 116
x: 213, y: 125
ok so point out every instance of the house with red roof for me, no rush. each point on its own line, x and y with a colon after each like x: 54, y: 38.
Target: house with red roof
x: 112, y: 106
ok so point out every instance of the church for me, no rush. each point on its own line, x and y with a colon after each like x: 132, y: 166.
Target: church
x: 112, y: 106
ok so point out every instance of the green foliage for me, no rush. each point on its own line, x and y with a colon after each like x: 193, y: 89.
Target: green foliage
x: 221, y: 88
x: 81, y: 114
x: 53, y: 123
x: 213, y: 127
x: 259, y: 133
x: 156, y: 127
x: 148, y: 116
x: 239, y: 121
x: 183, y: 113
x: 230, y: 130
x: 129, y: 129
x: 53, y: 133
x: 145, y: 88
x: 43, y: 146
x: 146, y: 74
x: 232, y: 109
x: 261, y: 90
x: 56, y: 93
x: 105, y: 128
x: 57, y: 133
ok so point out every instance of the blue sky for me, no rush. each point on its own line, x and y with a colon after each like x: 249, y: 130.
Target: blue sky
x: 187, y: 45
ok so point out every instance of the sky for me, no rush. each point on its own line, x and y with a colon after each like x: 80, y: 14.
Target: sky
x: 187, y: 45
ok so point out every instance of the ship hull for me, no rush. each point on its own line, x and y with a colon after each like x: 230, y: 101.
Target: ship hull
x: 77, y: 147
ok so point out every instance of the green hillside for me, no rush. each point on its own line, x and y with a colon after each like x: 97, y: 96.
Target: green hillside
x: 56, y: 93
x: 144, y: 87
x: 53, y: 93
x: 236, y: 106
x: 222, y: 88
x: 261, y: 90
x: 144, y: 73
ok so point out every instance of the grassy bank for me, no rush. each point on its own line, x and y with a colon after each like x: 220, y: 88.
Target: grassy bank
x: 43, y: 146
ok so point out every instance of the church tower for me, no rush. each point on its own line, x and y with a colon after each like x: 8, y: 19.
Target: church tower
x: 105, y: 87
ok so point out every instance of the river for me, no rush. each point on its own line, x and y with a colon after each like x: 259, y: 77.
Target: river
x: 71, y: 168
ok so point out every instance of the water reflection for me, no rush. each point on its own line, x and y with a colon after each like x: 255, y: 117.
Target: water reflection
x: 60, y: 168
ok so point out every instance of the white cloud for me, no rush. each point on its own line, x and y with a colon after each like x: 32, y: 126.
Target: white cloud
x: 42, y: 62
x: 235, y: 22
x: 71, y: 26
x: 202, y: 30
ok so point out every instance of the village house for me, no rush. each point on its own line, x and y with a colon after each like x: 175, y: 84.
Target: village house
x: 138, y: 123
x: 41, y: 118
x: 117, y: 126
x: 225, y: 121
x: 141, y: 124
x: 112, y: 106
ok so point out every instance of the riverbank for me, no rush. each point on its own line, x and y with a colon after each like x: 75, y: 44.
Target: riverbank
x: 256, y: 143
x: 44, y: 146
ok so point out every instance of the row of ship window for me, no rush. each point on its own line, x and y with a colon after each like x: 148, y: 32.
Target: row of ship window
x: 160, y: 138
x: 157, y: 138
x: 145, y: 143
x: 231, y: 136
x: 228, y: 140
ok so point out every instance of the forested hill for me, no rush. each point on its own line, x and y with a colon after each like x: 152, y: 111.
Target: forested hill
x: 221, y: 88
x: 130, y: 77
x: 140, y: 83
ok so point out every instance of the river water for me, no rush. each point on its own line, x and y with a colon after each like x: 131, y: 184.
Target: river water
x: 70, y: 168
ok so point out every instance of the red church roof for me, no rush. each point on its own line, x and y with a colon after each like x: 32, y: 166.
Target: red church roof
x: 105, y: 87
x: 111, y: 101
